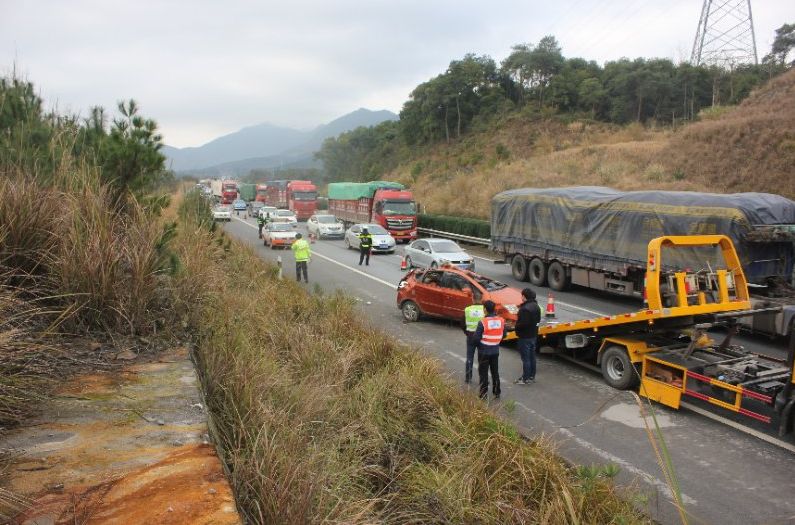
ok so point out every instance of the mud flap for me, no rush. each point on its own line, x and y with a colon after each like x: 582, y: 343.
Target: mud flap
x: 785, y: 427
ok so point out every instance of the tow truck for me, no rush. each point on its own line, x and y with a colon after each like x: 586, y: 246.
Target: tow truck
x: 666, y: 349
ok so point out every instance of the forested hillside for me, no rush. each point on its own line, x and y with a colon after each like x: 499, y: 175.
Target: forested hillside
x: 540, y: 119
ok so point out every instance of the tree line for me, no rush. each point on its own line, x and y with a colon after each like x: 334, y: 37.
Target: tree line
x: 539, y: 81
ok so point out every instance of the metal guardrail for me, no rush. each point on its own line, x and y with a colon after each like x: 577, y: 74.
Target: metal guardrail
x: 455, y: 236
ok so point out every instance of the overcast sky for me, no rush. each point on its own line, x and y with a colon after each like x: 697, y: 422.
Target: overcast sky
x: 204, y: 68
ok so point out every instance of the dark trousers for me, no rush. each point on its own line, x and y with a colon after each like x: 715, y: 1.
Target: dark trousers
x: 260, y: 230
x: 301, y: 266
x: 471, y: 346
x: 488, y: 363
x: 364, y: 253
x: 527, y: 349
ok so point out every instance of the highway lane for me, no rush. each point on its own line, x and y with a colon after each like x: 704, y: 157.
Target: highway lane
x: 725, y: 476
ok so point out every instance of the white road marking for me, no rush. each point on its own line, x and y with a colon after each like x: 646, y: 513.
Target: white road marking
x: 733, y: 424
x: 329, y: 259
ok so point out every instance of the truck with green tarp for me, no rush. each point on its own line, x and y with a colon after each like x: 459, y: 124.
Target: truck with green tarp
x: 388, y: 204
x: 248, y: 192
x: 597, y: 238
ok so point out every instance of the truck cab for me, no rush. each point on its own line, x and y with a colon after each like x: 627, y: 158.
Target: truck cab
x: 396, y: 211
x: 302, y: 198
x: 228, y: 191
x: 262, y: 193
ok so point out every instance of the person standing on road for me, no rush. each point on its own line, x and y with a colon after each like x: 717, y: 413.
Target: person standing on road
x: 302, y: 253
x: 527, y: 334
x: 260, y: 224
x: 488, y: 335
x: 365, y: 246
x: 472, y: 315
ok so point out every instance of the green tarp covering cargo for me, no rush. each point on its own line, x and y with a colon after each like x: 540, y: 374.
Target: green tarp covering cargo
x: 608, y: 230
x: 357, y: 190
x: 248, y: 192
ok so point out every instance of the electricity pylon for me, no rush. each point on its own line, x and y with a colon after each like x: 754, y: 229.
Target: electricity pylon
x: 725, y: 35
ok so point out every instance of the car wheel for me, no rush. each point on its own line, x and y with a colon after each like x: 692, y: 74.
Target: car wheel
x: 618, y: 369
x: 434, y: 265
x: 410, y: 310
x: 556, y: 275
x: 537, y: 272
x: 519, y: 267
x: 408, y: 263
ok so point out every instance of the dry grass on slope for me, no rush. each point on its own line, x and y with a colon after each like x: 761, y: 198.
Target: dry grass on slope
x: 750, y: 148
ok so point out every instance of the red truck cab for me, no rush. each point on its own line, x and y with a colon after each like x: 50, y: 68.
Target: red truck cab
x: 262, y: 193
x: 396, y: 211
x: 228, y: 192
x: 302, y: 198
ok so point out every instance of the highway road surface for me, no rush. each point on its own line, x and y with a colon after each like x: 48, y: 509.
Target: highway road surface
x: 728, y: 472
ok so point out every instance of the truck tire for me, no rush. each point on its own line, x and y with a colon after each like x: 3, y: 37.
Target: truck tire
x: 411, y: 311
x: 537, y: 272
x: 519, y: 267
x: 556, y: 275
x: 617, y: 368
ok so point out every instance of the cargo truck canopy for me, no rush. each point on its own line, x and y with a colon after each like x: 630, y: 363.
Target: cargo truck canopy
x: 593, y: 221
x: 357, y: 190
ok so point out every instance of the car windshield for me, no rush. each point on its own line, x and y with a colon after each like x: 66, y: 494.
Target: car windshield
x: 222, y: 208
x: 280, y: 227
x: 445, y: 247
x: 285, y: 213
x: 326, y: 219
x: 399, y: 208
x: 375, y: 229
x: 240, y: 201
x: 304, y: 195
x: 489, y: 284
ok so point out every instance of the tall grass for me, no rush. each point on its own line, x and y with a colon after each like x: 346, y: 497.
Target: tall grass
x: 324, y: 419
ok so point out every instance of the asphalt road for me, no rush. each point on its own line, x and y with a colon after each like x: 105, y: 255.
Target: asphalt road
x: 725, y: 474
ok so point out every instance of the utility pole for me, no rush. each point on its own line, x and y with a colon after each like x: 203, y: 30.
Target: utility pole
x: 725, y: 35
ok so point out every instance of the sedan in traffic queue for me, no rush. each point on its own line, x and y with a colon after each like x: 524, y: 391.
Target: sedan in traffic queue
x: 239, y: 205
x: 268, y: 212
x: 382, y: 241
x: 278, y: 235
x: 287, y: 216
x: 446, y: 291
x: 222, y: 212
x: 432, y: 253
x: 324, y: 226
x: 252, y: 212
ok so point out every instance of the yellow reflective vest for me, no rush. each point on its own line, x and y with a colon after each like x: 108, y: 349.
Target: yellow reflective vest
x: 301, y: 250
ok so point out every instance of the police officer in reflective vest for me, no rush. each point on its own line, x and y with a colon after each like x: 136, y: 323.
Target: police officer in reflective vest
x: 301, y: 252
x: 472, y: 314
x: 260, y: 224
x: 488, y: 335
x: 365, y: 246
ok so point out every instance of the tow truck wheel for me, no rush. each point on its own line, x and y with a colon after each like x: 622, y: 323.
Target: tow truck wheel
x: 537, y: 272
x: 556, y: 275
x: 617, y: 369
x: 411, y: 312
x: 519, y: 267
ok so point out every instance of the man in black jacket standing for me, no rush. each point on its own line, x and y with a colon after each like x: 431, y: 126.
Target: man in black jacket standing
x: 527, y: 333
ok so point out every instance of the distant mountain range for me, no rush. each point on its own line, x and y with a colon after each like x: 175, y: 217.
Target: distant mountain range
x: 265, y: 146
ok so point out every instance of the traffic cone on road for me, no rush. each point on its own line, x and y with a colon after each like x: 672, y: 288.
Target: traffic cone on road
x: 403, y: 265
x: 550, y: 306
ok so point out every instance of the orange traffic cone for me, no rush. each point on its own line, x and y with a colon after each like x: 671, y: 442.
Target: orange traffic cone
x: 550, y: 306
x: 403, y: 265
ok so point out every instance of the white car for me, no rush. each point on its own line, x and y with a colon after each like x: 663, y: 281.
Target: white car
x: 285, y: 216
x: 222, y: 213
x: 382, y: 241
x: 325, y: 226
x: 278, y: 234
x: 432, y: 253
x: 265, y: 210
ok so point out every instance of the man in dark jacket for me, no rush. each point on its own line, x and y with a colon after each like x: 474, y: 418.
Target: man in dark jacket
x: 489, y: 333
x: 526, y: 334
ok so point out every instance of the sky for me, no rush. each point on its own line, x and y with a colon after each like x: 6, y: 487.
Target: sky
x: 205, y: 68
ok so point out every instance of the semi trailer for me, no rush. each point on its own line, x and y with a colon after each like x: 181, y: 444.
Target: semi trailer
x: 389, y: 204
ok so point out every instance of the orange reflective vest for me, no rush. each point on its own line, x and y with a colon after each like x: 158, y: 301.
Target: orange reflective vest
x: 493, y: 328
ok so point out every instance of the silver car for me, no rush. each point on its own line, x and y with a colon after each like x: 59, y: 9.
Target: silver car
x: 382, y: 241
x: 432, y: 253
x: 325, y: 226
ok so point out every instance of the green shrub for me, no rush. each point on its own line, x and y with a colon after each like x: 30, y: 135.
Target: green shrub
x: 459, y: 225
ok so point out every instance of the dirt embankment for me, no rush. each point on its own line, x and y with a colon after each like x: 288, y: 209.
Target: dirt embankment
x: 129, y: 446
